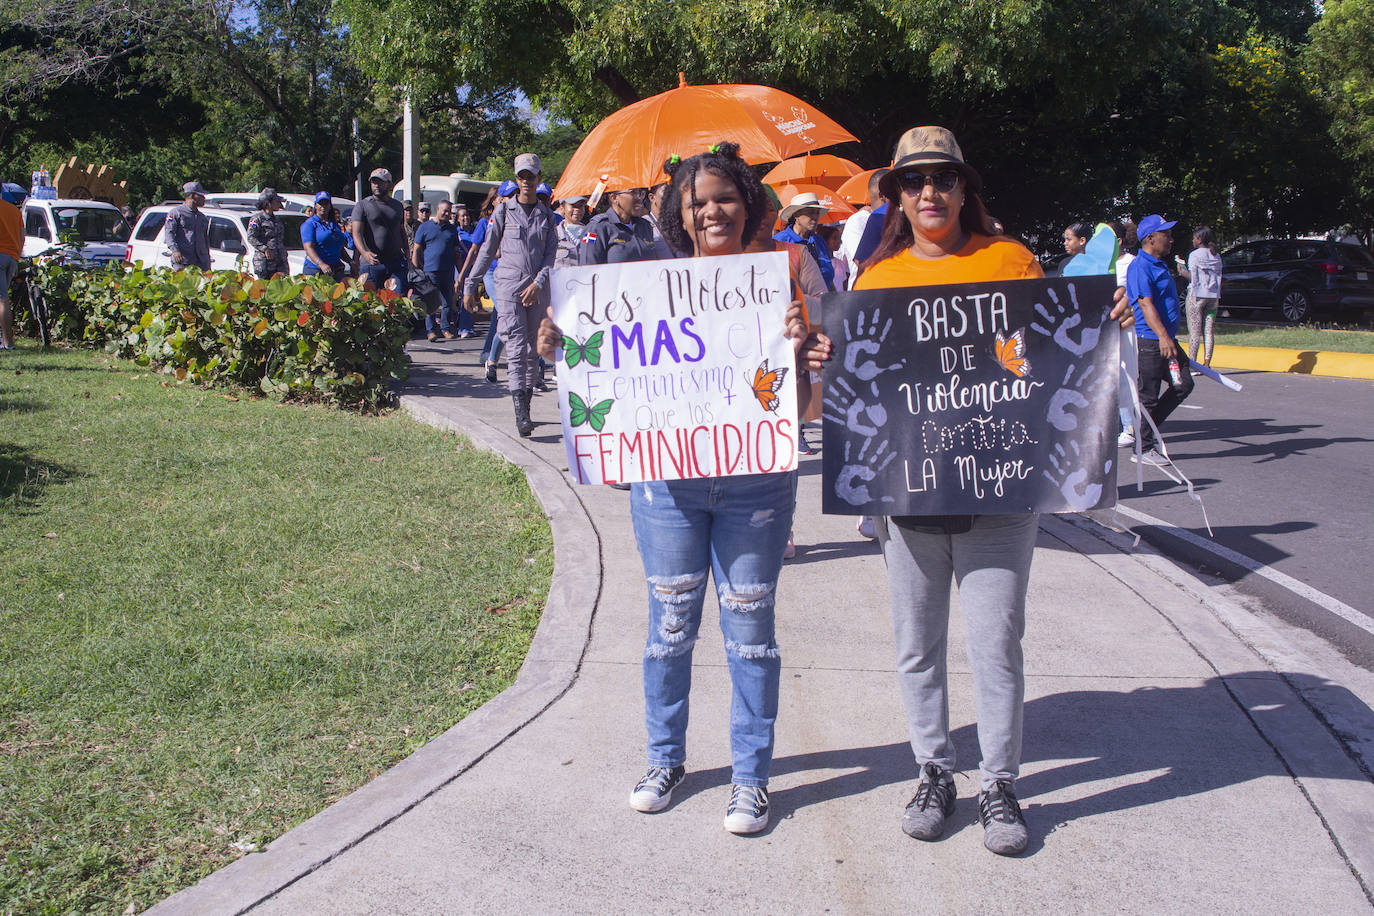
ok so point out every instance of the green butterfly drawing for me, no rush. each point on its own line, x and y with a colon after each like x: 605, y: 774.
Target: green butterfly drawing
x: 579, y: 413
x: 590, y: 350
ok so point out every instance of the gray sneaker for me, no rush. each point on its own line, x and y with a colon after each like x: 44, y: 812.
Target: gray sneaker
x: 1004, y: 829
x: 655, y: 791
x: 748, y: 811
x: 925, y: 816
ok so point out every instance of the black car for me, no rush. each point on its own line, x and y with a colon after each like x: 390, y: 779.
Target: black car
x: 1296, y: 276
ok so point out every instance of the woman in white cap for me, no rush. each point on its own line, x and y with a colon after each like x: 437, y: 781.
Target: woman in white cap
x: 941, y: 233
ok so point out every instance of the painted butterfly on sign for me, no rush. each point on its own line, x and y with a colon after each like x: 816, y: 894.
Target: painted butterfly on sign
x: 580, y: 414
x: 589, y: 350
x: 1011, y: 353
x: 767, y: 382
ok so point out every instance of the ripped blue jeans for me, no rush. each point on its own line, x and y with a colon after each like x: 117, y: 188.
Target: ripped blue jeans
x: 735, y: 528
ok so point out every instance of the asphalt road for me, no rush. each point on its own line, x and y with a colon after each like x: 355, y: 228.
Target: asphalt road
x: 1284, y: 469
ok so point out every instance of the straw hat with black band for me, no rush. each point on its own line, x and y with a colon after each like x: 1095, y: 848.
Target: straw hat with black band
x: 929, y: 145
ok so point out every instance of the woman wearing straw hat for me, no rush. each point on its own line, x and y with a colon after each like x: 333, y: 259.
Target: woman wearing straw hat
x: 939, y: 233
x: 802, y: 215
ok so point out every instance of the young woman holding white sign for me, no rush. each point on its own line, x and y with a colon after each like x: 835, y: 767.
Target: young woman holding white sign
x: 733, y: 528
x: 938, y: 231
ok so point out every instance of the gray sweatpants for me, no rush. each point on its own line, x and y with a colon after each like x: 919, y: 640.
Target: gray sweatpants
x: 991, y: 565
x: 520, y: 329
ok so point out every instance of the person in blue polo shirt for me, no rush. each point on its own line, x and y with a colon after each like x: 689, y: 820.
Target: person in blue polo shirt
x: 1154, y: 297
x: 435, y: 252
x: 324, y: 240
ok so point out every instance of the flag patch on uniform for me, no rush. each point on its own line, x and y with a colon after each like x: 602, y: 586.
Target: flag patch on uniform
x: 589, y: 237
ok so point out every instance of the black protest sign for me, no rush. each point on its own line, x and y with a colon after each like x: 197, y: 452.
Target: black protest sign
x: 971, y: 398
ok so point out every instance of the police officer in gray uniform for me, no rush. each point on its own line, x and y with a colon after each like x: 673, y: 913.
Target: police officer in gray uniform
x: 187, y: 231
x: 623, y: 233
x: 523, y: 234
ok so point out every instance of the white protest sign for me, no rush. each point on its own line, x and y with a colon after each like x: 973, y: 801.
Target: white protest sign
x: 676, y: 369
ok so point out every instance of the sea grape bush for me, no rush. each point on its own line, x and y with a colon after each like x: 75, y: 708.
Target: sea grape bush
x: 311, y: 338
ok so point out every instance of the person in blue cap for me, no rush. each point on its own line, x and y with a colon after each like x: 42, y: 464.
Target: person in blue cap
x: 1153, y: 296
x: 324, y: 240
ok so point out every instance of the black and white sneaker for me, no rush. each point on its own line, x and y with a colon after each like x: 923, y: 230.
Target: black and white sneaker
x: 1004, y: 828
x: 927, y: 813
x: 655, y: 790
x: 748, y: 811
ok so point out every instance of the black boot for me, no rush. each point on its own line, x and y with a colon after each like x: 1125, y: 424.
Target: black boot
x: 523, y: 425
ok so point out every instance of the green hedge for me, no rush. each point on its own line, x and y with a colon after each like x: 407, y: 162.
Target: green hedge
x: 310, y: 338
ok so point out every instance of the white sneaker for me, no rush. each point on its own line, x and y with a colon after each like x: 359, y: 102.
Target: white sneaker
x: 1126, y: 439
x: 655, y: 790
x: 1152, y: 457
x: 748, y: 811
x: 867, y: 528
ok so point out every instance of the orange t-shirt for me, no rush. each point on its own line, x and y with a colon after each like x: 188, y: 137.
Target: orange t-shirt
x: 983, y: 259
x: 11, y: 230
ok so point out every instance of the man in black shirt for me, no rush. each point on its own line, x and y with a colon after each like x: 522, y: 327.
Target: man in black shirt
x: 379, y: 234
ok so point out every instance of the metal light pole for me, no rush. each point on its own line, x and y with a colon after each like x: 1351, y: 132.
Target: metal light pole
x: 410, y: 154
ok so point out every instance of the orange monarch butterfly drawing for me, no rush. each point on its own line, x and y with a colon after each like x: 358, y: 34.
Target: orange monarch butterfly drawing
x: 766, y: 384
x: 1011, y: 353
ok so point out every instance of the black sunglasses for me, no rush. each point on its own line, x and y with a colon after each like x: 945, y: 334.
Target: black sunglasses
x: 944, y: 181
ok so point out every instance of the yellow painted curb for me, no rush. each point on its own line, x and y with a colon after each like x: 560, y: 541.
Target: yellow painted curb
x: 1305, y: 362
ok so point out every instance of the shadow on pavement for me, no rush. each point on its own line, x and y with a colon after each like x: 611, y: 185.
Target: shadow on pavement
x: 1109, y: 750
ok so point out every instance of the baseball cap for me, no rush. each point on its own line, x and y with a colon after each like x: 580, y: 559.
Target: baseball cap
x: 381, y: 175
x: 424, y: 206
x: 323, y: 195
x: 192, y: 187
x: 544, y: 189
x: 506, y: 189
x: 528, y: 162
x: 1153, y: 223
x: 576, y: 199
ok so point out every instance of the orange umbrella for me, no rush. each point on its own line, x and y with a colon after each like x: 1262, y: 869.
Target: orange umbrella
x: 838, y: 209
x: 855, y: 190
x: 629, y: 147
x: 825, y: 170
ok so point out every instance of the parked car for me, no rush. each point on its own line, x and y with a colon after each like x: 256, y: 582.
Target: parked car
x: 1296, y: 277
x: 228, y: 238
x: 292, y: 203
x: 98, y: 226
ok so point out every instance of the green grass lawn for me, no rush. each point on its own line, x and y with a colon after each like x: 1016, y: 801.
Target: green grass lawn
x: 218, y: 615
x: 1292, y: 337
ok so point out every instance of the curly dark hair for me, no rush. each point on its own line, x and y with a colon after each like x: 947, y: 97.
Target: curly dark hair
x: 722, y: 159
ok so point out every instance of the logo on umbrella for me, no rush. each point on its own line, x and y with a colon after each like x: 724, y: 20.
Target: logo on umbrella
x: 799, y: 122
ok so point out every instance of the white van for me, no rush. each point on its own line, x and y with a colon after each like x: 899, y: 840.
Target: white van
x: 228, y: 238
x: 101, y: 229
x: 455, y: 188
x: 292, y: 203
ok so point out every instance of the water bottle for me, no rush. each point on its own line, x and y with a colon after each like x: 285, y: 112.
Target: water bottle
x: 1175, y: 373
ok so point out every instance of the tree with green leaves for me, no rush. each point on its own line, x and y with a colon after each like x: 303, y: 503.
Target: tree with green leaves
x: 1072, y: 109
x: 1341, y: 59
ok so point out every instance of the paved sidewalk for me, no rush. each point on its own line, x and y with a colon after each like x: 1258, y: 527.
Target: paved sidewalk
x: 1168, y: 766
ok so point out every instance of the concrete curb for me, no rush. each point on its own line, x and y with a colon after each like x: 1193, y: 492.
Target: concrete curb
x: 1304, y: 362
x: 549, y: 669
